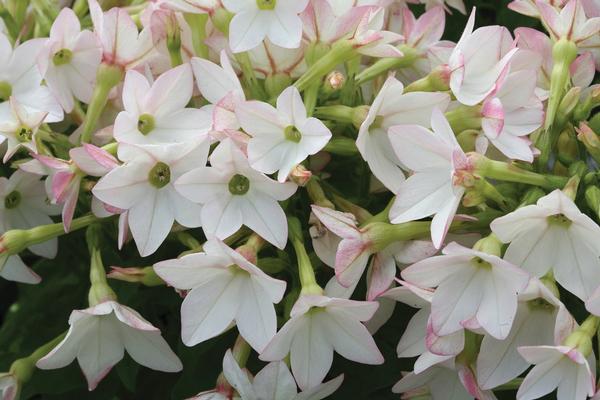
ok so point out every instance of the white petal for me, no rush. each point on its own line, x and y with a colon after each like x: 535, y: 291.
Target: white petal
x: 311, y: 354
x: 149, y: 349
x: 256, y: 319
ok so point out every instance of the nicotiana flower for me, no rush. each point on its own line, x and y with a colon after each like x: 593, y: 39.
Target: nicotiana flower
x: 223, y: 287
x: 21, y: 78
x: 553, y: 235
x: 9, y: 386
x: 156, y: 113
x: 18, y: 127
x: 479, y: 61
x: 98, y: 336
x: 562, y: 367
x: 473, y: 289
x: 144, y: 186
x: 282, y: 137
x: 12, y: 268
x: 192, y: 6
x: 254, y: 20
x: 234, y: 194
x: 274, y: 381
x: 69, y: 60
x: 570, y: 22
x: 441, y: 381
x: 392, y: 107
x: 318, y: 326
x: 541, y: 319
x: 530, y: 8
x: 122, y: 44
x: 439, y: 166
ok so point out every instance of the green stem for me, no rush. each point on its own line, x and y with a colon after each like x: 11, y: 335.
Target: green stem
x: 492, y: 169
x: 340, y: 52
x: 100, y: 291
x: 24, y: 367
x: 384, y: 65
x: 197, y: 24
x: 305, y: 269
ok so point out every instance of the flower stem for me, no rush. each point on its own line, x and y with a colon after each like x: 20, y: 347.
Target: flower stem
x: 24, y: 367
x: 340, y: 52
x: 385, y: 65
x: 305, y: 269
x: 100, y: 290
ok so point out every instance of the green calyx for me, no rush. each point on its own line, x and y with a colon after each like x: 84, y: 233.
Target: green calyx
x: 145, y: 123
x: 5, y: 90
x: 24, y: 134
x: 292, y: 134
x: 160, y: 175
x: 62, y: 57
x: 266, y: 4
x: 12, y: 200
x: 239, y: 185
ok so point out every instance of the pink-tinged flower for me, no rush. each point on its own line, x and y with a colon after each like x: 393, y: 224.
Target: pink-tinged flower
x: 12, y: 268
x: 473, y: 289
x: 512, y: 113
x: 553, y: 235
x: 561, y: 367
x: 541, y: 319
x: 274, y: 379
x: 98, y: 336
x: 530, y: 8
x: 156, y: 113
x: 64, y: 177
x: 234, y: 194
x: 318, y: 326
x: 220, y: 85
x: 441, y: 381
x: 144, y: 186
x: 354, y: 250
x: 121, y: 42
x: 532, y: 41
x: 570, y: 22
x: 438, y: 164
x: 69, y: 60
x: 479, y: 61
x: 20, y: 78
x: 269, y: 60
x: 192, y: 6
x: 390, y: 108
x: 282, y: 137
x: 254, y: 20
x: 9, y: 386
x: 18, y: 127
x: 24, y: 205
x: 223, y: 287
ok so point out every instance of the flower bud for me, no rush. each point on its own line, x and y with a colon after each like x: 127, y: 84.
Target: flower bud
x: 590, y: 140
x: 568, y: 150
x: 342, y: 146
x: 146, y: 275
x: 592, y: 198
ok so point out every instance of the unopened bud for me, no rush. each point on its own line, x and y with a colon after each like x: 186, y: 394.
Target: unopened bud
x: 592, y: 198
x: 300, y: 175
x: 341, y: 146
x: 490, y: 245
x: 590, y: 140
x: 334, y: 81
x: 568, y: 150
x: 567, y: 106
x: 473, y: 198
x: 146, y: 275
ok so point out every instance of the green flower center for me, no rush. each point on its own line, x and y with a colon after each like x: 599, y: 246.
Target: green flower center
x: 24, y: 134
x: 5, y: 90
x: 378, y: 122
x: 62, y: 57
x: 266, y: 4
x: 239, y: 185
x: 12, y: 200
x: 160, y: 175
x: 481, y: 263
x: 559, y: 219
x: 145, y: 123
x: 292, y: 134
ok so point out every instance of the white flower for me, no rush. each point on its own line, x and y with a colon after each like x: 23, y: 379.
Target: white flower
x: 18, y: 127
x: 98, y: 336
x: 318, y: 326
x: 144, y: 187
x: 553, y: 235
x: 233, y: 194
x: 157, y: 113
x: 21, y: 78
x: 282, y: 137
x: 559, y: 367
x: 223, y: 287
x: 254, y: 20
x: 390, y: 108
x: 435, y: 187
x: 473, y: 289
x: 9, y: 386
x: 69, y: 60
x: 441, y: 381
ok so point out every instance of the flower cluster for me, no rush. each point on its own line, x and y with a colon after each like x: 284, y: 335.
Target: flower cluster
x: 293, y: 169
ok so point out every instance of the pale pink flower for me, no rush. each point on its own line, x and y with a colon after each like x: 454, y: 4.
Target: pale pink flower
x: 473, y: 289
x: 479, y: 61
x: 254, y: 20
x: 12, y: 268
x: 18, y: 127
x: 223, y: 287
x: 435, y: 187
x: 269, y: 60
x: 144, y: 186
x: 318, y: 326
x: 530, y: 8
x: 98, y: 336
x: 570, y: 22
x: 392, y: 107
x: 441, y: 382
x: 69, y: 60
x: 156, y: 113
x: 553, y: 235
x: 192, y: 6
x: 234, y: 194
x: 281, y: 137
